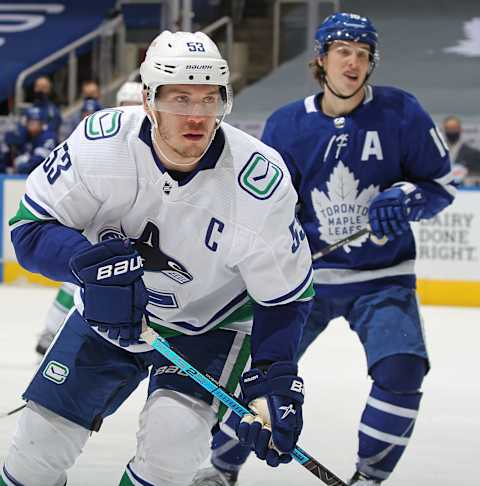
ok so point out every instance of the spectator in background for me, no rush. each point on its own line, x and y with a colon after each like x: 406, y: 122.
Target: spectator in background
x: 90, y: 90
x: 461, y: 153
x: 30, y: 143
x: 130, y: 93
x: 42, y: 99
x: 91, y: 98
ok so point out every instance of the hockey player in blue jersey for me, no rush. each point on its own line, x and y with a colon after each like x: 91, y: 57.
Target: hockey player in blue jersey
x: 361, y: 154
x: 164, y: 212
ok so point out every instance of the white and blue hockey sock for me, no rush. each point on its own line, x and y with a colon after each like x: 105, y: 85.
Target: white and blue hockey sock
x: 385, y: 429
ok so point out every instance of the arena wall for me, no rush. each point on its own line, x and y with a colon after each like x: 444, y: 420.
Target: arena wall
x: 448, y: 249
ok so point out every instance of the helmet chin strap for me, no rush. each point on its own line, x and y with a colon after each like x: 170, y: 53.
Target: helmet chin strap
x: 154, y: 130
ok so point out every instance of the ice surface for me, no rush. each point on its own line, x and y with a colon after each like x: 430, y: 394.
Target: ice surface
x: 444, y: 450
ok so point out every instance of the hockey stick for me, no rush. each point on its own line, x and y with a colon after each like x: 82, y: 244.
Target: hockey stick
x: 164, y: 347
x: 345, y: 241
x: 15, y: 410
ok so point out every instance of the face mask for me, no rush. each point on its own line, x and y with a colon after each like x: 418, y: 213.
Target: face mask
x: 452, y: 137
x: 40, y: 96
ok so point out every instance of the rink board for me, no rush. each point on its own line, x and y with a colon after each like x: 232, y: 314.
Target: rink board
x: 448, y: 249
x: 11, y: 191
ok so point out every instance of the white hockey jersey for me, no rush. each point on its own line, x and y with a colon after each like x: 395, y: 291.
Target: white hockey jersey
x: 224, y: 234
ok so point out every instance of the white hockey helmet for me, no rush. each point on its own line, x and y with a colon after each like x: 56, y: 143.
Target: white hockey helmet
x: 185, y: 58
x: 130, y: 93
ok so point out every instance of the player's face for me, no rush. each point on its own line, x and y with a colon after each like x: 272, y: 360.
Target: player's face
x: 187, y: 135
x: 346, y: 65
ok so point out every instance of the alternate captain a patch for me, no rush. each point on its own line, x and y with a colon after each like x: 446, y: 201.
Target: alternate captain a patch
x: 103, y: 124
x: 260, y: 177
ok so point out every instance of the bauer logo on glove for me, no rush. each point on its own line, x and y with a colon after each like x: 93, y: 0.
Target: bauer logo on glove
x: 114, y: 295
x: 297, y: 386
x: 119, y: 268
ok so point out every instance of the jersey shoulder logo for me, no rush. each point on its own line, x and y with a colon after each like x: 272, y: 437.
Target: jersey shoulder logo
x: 260, y: 177
x: 342, y: 209
x: 103, y: 124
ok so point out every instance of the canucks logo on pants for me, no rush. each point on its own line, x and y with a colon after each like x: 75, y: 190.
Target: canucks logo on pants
x: 56, y: 372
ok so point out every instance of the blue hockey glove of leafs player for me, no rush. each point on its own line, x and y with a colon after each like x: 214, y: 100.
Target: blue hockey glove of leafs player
x: 114, y: 295
x: 277, y: 398
x: 392, y: 210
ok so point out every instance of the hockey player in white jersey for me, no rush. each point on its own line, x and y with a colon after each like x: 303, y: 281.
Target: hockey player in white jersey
x: 164, y: 213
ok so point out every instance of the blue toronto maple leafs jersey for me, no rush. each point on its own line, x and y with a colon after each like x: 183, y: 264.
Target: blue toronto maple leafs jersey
x: 338, y: 165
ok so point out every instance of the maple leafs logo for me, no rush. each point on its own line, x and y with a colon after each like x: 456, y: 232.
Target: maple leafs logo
x: 342, y: 211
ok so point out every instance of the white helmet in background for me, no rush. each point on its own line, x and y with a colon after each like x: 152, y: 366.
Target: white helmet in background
x: 130, y: 93
x: 185, y: 58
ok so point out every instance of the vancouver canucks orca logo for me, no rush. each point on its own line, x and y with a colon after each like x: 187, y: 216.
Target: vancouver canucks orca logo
x: 154, y: 260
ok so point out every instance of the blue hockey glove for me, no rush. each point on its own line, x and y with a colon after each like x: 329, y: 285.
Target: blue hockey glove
x: 277, y: 398
x: 392, y: 210
x: 114, y: 295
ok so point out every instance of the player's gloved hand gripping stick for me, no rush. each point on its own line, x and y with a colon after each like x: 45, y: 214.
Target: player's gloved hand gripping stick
x: 276, y: 396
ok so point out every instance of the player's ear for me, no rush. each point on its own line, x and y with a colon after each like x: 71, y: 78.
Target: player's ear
x: 319, y: 60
